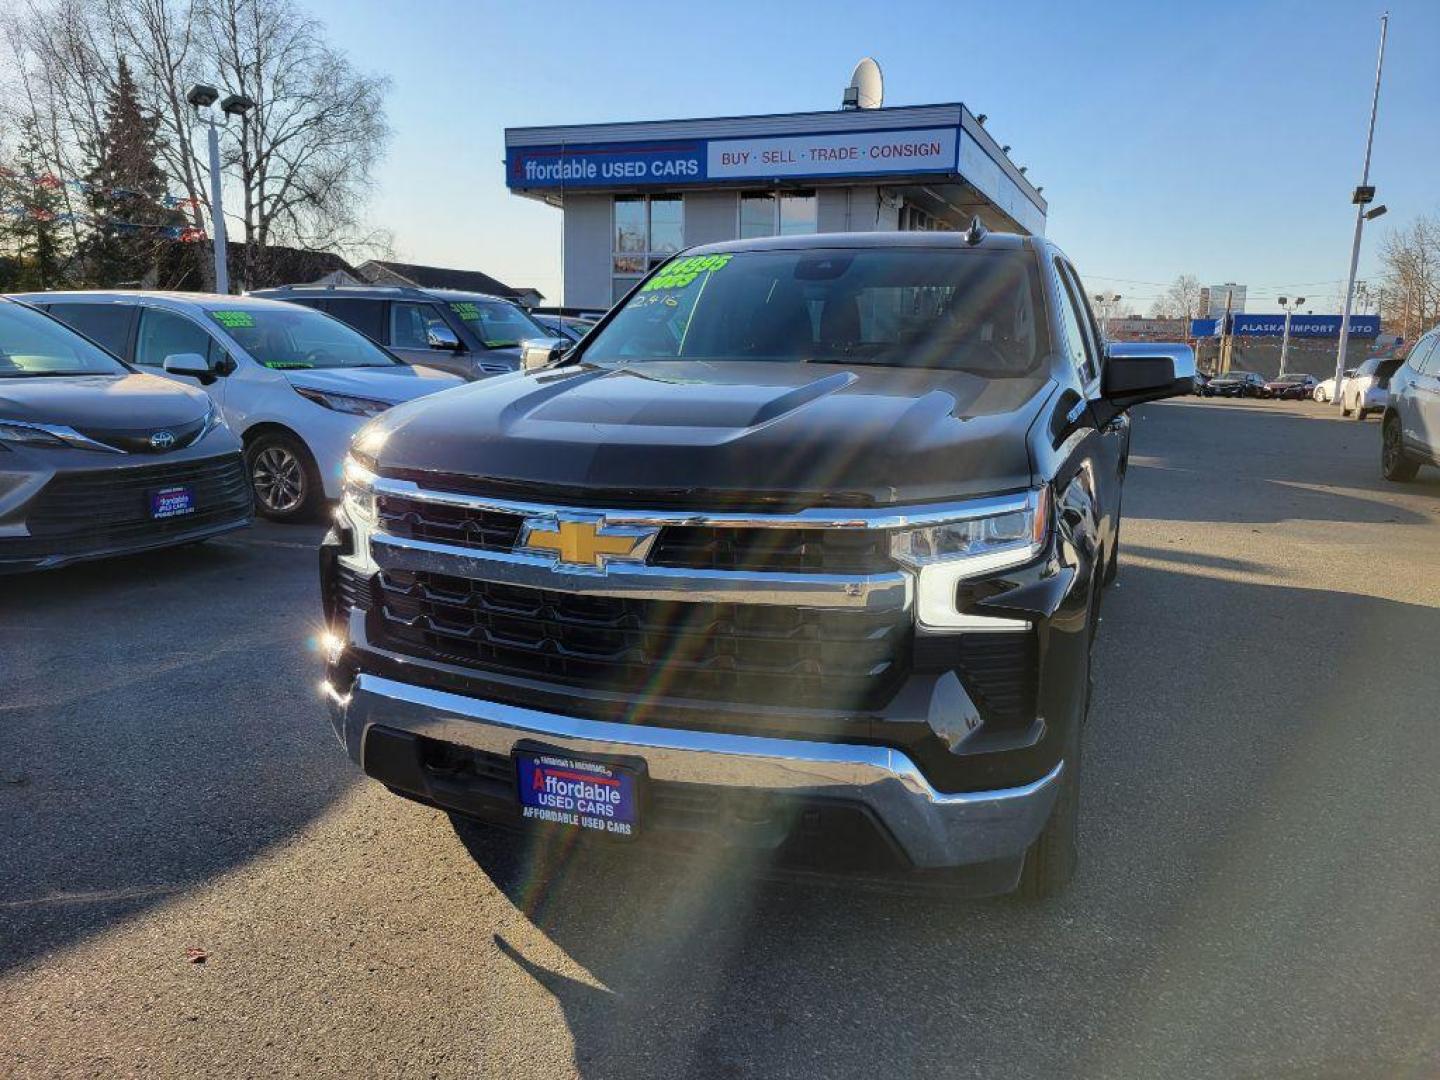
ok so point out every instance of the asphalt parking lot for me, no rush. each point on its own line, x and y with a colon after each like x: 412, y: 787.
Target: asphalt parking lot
x: 1257, y: 896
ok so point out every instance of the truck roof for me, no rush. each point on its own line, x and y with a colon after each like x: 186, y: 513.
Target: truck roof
x: 827, y: 241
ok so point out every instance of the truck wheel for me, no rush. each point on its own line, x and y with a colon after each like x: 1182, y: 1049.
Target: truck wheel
x: 283, y: 477
x: 1394, y: 462
x: 1050, y: 863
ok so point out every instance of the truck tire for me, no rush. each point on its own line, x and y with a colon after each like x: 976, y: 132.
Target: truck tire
x: 1051, y: 861
x: 1395, y: 464
x: 283, y: 477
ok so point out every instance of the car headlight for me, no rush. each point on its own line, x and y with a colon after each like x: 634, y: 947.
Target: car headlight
x: 357, y: 490
x: 944, y: 554
x: 26, y: 433
x: 345, y: 403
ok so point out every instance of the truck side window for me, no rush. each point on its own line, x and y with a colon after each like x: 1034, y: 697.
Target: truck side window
x: 1077, y: 340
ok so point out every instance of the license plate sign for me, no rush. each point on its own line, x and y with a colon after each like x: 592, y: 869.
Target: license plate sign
x: 583, y: 794
x: 169, y: 502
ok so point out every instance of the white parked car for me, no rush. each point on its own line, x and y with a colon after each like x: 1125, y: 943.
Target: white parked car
x: 1369, y: 388
x: 292, y: 382
x: 1325, y: 391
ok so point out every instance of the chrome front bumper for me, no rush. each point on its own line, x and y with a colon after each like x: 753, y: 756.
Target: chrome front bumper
x: 934, y: 828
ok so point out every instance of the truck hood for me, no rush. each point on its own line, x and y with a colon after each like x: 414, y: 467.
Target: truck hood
x: 402, y: 382
x: 769, y: 434
x: 87, y: 402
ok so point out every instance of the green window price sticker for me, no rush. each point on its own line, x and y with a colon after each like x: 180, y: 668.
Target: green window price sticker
x: 234, y: 320
x: 467, y: 311
x: 682, y: 272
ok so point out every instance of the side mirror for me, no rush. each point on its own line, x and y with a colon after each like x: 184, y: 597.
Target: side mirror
x: 440, y: 336
x: 1137, y: 372
x: 537, y: 354
x: 188, y: 363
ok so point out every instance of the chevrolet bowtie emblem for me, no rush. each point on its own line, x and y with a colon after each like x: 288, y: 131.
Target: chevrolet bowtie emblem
x: 586, y: 544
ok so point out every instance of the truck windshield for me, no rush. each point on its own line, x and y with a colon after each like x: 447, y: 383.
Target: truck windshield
x: 970, y: 310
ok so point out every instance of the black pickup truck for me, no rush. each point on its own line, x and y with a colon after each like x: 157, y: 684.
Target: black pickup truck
x: 800, y: 552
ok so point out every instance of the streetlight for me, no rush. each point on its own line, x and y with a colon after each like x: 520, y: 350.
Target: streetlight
x: 1363, y: 196
x: 1290, y: 308
x: 200, y: 97
x: 1107, y: 309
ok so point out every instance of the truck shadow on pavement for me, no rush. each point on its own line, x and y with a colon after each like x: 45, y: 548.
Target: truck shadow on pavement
x: 1256, y: 819
x: 155, y: 731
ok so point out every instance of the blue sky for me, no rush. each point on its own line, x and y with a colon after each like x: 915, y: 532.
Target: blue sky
x: 1220, y: 139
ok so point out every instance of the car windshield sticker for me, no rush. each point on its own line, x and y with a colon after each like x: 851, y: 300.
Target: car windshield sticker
x: 467, y: 311
x: 681, y: 272
x: 234, y: 320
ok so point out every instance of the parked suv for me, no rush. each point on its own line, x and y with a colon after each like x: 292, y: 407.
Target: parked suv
x: 1369, y: 388
x: 1410, y: 431
x: 292, y: 383
x: 468, y: 334
x: 800, y: 550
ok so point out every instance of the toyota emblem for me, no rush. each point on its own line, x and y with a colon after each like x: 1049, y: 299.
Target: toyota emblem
x: 162, y: 440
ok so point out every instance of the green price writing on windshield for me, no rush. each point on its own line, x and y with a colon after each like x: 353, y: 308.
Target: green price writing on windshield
x: 467, y: 311
x: 233, y: 320
x: 682, y: 272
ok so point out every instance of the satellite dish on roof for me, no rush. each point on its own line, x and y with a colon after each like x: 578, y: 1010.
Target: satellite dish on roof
x: 867, y: 86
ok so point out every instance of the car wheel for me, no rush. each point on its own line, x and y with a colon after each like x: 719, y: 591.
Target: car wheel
x: 1395, y: 464
x: 283, y: 477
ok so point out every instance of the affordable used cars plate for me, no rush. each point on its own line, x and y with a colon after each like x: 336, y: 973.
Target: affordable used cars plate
x: 169, y: 502
x: 584, y: 794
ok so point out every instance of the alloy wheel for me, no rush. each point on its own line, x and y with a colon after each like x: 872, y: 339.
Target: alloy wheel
x: 1390, y: 446
x: 278, y: 479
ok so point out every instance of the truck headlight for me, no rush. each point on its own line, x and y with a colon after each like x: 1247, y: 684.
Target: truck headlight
x: 358, y: 491
x: 944, y: 554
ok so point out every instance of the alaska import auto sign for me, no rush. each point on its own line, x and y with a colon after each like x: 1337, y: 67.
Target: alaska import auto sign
x: 667, y: 163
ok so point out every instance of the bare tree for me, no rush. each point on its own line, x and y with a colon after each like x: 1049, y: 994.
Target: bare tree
x: 1181, y: 300
x: 1410, y: 293
x: 304, y: 156
x: 307, y: 151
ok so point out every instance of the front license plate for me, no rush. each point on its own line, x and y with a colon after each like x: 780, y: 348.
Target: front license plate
x: 171, y: 502
x: 577, y: 792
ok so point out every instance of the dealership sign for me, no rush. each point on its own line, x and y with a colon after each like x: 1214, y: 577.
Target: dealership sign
x: 1320, y: 326
x: 666, y: 163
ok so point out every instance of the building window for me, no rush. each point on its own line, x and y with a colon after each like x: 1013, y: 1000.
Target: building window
x: 789, y: 213
x: 648, y: 230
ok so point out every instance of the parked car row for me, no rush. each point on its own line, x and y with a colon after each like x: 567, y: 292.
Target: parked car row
x: 1363, y: 390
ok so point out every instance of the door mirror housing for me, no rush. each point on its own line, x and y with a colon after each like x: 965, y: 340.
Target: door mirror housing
x: 439, y: 336
x: 1136, y: 372
x: 191, y: 364
x: 537, y: 354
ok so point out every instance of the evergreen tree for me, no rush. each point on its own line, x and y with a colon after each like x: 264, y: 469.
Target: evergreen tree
x: 33, y: 238
x: 127, y: 189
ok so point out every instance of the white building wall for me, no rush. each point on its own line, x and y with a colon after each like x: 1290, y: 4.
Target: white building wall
x: 587, y: 251
x: 711, y: 216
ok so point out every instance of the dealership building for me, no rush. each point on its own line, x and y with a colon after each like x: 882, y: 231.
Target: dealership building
x: 634, y: 193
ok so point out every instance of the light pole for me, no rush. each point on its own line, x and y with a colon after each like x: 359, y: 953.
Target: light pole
x: 1290, y: 307
x: 1362, y: 197
x: 1107, y: 310
x: 200, y: 97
